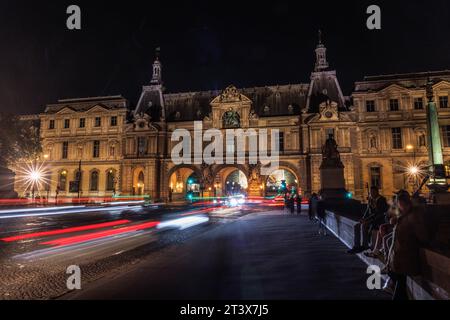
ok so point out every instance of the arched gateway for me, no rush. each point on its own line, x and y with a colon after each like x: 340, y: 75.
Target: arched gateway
x: 205, y: 181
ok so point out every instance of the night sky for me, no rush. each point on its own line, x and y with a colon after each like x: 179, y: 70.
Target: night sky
x: 206, y: 45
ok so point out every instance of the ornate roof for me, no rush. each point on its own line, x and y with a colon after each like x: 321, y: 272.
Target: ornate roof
x: 85, y: 104
x: 266, y: 101
x: 405, y: 80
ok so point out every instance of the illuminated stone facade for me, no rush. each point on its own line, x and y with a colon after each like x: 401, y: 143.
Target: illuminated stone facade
x: 90, y: 131
x: 380, y: 130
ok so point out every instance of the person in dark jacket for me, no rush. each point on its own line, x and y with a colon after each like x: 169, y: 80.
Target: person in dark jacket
x: 299, y: 203
x: 410, y: 233
x: 372, y: 219
x: 312, y: 207
x: 292, y: 197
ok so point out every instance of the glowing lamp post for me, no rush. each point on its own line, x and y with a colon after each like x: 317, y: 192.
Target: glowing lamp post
x: 35, y: 179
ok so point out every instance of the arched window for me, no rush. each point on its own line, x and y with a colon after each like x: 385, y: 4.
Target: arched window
x: 94, y: 181
x: 62, y: 180
x: 78, y: 175
x: 110, y: 180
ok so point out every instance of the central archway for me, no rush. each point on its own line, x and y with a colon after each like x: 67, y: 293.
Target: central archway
x: 235, y: 183
x: 230, y: 180
x: 280, y: 181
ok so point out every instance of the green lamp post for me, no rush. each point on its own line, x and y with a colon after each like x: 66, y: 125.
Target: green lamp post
x: 437, y: 182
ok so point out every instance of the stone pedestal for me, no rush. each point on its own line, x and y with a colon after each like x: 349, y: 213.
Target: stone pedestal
x: 7, y: 178
x: 332, y: 182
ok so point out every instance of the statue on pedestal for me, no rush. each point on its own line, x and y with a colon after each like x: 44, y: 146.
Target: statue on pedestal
x: 332, y: 171
x: 330, y: 154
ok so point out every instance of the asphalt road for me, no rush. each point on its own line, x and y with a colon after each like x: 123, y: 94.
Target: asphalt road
x: 37, y: 246
x: 205, y: 251
x: 270, y: 255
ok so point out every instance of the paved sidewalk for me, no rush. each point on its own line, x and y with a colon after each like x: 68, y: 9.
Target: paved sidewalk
x: 260, y: 256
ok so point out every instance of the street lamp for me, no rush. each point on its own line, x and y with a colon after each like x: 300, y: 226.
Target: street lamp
x: 34, y: 177
x: 413, y: 170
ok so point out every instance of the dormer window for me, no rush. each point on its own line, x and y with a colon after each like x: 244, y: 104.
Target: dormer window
x: 290, y: 109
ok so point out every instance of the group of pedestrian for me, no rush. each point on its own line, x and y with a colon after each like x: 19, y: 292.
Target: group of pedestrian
x: 293, y: 202
x: 399, y: 231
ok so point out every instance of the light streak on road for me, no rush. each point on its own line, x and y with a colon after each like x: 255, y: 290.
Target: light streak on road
x: 183, y: 223
x: 85, y: 209
x: 40, y: 209
x: 100, y: 234
x: 123, y: 203
x: 103, y: 247
x: 63, y: 231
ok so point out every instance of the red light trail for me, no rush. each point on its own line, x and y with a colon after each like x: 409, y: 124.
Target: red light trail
x: 63, y: 231
x: 100, y: 234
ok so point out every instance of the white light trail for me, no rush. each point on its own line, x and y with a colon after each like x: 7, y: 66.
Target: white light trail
x: 183, y: 223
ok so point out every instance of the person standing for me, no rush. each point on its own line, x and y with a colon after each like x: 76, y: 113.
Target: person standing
x: 312, y: 206
x: 292, y: 197
x: 286, y: 201
x: 299, y: 203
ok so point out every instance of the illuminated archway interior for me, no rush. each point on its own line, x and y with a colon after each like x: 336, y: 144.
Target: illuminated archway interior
x: 235, y: 183
x: 280, y: 181
x: 183, y: 182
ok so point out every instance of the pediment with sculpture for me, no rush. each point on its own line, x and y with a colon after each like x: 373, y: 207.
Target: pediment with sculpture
x: 231, y: 95
x: 328, y: 111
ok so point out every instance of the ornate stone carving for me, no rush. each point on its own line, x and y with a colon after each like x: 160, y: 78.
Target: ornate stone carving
x: 231, y: 119
x: 141, y: 121
x: 253, y: 115
x: 230, y: 94
x: 254, y: 173
x: 208, y: 177
x: 329, y: 111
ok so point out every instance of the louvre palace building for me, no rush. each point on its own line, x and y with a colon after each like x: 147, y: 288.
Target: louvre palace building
x: 380, y: 129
